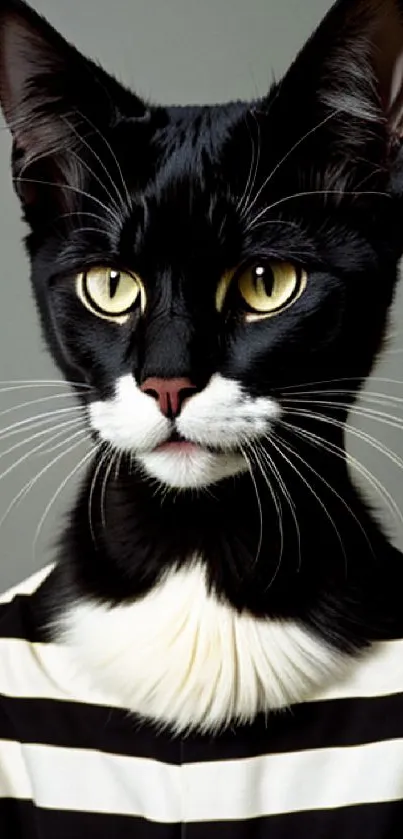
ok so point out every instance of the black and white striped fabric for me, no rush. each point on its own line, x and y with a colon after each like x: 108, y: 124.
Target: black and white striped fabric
x: 72, y: 767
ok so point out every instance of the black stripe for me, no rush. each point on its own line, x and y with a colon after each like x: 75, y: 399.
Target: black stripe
x: 371, y: 821
x: 17, y: 620
x: 17, y: 819
x: 21, y: 820
x: 81, y: 726
x: 318, y: 726
x: 26, y: 615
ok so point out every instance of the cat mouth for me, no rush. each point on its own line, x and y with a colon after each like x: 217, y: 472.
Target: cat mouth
x: 180, y: 444
x: 177, y: 443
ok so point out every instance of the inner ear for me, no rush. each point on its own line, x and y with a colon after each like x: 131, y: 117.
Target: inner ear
x: 353, y: 65
x: 39, y: 72
x: 364, y: 63
x: 33, y: 62
x: 388, y: 62
x: 56, y: 103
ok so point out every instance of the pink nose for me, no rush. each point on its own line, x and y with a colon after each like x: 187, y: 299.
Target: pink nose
x: 169, y: 393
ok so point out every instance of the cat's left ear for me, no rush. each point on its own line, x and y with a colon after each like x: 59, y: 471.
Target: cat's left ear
x: 352, y: 69
x: 368, y: 68
x: 387, y: 51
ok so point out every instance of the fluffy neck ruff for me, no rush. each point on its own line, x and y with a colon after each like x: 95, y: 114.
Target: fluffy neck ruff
x: 183, y: 658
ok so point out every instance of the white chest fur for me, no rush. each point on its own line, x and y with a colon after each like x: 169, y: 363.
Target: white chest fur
x: 181, y: 657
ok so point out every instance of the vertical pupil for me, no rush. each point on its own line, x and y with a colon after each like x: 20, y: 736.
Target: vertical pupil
x: 114, y: 280
x: 264, y: 277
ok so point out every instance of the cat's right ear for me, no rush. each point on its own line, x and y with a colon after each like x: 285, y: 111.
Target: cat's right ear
x: 51, y: 95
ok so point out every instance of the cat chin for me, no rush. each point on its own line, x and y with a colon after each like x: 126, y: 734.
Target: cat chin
x: 189, y: 661
x: 191, y: 469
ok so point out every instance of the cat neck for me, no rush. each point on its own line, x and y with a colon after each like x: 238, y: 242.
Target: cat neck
x: 270, y: 549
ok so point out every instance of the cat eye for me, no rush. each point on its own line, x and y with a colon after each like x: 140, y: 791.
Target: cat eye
x: 110, y: 294
x: 262, y: 291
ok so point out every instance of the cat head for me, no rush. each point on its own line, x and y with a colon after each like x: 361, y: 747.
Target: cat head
x: 193, y: 265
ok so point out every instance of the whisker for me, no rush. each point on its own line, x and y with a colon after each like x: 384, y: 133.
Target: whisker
x: 365, y: 395
x: 366, y: 438
x: 81, y: 213
x: 287, y: 495
x: 7, y: 387
x: 112, y: 153
x: 279, y: 512
x: 358, y: 379
x: 259, y: 503
x: 35, y: 421
x: 118, y: 465
x: 104, y: 168
x: 289, y: 153
x: 58, y: 445
x: 97, y: 470
x: 254, y: 167
x: 27, y: 440
x: 37, y: 402
x: 367, y: 413
x: 312, y: 193
x: 23, y: 458
x: 277, y: 222
x: 73, y: 189
x: 28, y: 486
x: 91, y: 230
x: 322, y: 444
x: 291, y: 451
x: 107, y: 474
x: 46, y: 424
x: 362, y: 435
x: 54, y: 498
x: 379, y: 488
x: 93, y: 174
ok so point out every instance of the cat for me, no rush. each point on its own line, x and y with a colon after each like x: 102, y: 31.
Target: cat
x: 215, y: 282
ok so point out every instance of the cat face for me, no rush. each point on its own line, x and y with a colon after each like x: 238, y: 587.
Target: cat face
x: 192, y: 265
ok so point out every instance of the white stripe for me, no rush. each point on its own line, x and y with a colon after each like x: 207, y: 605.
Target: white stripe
x: 379, y: 672
x: 65, y: 779
x: 44, y: 671
x: 14, y: 781
x: 288, y: 783
x: 235, y: 790
x: 28, y: 586
x: 47, y: 671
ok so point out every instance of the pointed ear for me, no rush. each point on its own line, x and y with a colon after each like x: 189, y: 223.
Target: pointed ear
x: 51, y: 95
x: 30, y: 54
x: 39, y: 72
x: 365, y: 65
x: 350, y: 74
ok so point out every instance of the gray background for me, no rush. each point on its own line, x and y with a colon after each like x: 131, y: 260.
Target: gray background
x: 169, y: 50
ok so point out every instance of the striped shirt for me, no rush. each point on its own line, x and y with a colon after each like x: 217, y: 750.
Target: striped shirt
x: 73, y: 767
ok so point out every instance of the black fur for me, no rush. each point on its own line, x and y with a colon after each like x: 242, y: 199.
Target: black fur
x: 332, y: 173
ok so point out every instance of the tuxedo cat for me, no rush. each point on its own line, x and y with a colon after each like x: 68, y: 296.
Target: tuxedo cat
x: 215, y: 282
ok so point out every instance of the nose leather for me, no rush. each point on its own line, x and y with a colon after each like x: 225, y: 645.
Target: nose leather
x: 169, y: 393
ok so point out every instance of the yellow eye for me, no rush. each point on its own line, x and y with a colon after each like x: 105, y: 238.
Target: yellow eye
x: 269, y: 289
x: 266, y: 289
x: 110, y: 294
